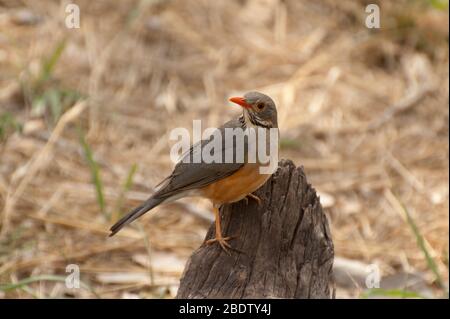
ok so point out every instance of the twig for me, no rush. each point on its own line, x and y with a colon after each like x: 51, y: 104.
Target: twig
x: 405, y: 173
x: 38, y: 162
x: 408, y: 101
x: 77, y: 255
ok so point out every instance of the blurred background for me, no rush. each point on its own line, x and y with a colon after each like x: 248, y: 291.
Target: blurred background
x: 85, y: 115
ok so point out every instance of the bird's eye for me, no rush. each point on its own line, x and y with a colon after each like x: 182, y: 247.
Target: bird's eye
x: 260, y: 106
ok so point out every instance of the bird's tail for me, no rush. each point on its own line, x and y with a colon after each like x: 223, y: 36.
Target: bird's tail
x: 134, y: 214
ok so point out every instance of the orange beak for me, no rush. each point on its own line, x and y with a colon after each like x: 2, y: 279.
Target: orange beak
x: 241, y: 101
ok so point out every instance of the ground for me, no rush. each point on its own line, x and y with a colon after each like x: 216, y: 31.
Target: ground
x: 85, y: 118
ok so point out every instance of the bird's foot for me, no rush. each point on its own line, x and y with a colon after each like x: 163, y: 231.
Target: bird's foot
x: 223, y: 242
x: 252, y: 196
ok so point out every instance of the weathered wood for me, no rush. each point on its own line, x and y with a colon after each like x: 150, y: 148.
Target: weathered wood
x: 285, y: 243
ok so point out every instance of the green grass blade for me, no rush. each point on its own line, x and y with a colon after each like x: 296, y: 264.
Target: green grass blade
x: 125, y: 188
x: 289, y: 143
x: 8, y: 124
x: 431, y: 263
x: 129, y: 180
x: 95, y: 173
x: 54, y: 99
x: 391, y: 293
x: 439, y: 4
x: 49, y: 63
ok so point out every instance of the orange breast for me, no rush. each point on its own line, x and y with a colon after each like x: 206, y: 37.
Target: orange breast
x: 235, y: 187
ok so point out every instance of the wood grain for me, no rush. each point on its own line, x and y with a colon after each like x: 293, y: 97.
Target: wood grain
x: 285, y: 246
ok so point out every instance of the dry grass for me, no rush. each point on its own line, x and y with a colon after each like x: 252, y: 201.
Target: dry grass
x: 366, y: 113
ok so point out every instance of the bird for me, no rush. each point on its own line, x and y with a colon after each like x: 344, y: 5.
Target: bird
x: 221, y: 182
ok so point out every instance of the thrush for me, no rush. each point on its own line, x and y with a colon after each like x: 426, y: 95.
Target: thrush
x: 223, y: 181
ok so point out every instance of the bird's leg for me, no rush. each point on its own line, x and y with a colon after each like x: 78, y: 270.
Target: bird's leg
x: 252, y: 196
x: 221, y: 240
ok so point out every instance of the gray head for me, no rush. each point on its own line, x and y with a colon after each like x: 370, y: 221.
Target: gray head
x: 259, y: 109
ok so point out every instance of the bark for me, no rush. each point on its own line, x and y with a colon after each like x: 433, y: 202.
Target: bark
x: 285, y: 246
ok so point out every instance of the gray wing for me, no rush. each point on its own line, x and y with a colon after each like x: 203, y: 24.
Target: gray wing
x: 190, y: 175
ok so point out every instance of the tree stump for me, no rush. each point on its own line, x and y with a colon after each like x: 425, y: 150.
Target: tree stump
x: 285, y: 246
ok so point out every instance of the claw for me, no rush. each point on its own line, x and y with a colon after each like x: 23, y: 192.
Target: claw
x: 222, y: 242
x: 256, y: 198
x: 218, y: 238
